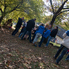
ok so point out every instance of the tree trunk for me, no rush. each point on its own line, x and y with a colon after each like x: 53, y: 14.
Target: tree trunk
x: 53, y: 19
x: 58, y: 11
x: 1, y: 18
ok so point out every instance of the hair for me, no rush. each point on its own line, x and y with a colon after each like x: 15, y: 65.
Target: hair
x: 47, y: 25
x: 42, y: 24
x: 22, y: 18
x: 50, y: 26
x: 57, y: 27
x: 34, y: 19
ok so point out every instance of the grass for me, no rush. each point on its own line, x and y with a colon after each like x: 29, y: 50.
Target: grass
x: 23, y: 55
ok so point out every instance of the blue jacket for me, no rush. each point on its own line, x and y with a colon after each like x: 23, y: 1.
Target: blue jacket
x: 67, y: 32
x: 47, y: 33
x: 40, y: 30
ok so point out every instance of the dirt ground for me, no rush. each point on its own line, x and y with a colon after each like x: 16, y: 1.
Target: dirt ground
x: 20, y: 54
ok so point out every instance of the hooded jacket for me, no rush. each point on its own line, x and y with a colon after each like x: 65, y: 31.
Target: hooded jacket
x: 40, y: 30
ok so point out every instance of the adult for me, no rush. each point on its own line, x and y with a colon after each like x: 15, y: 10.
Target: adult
x: 52, y: 35
x: 64, y: 47
x: 39, y: 32
x: 19, y: 23
x: 30, y: 26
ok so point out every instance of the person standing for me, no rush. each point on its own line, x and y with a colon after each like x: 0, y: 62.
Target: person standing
x: 64, y: 47
x: 23, y: 29
x: 45, y: 35
x: 19, y: 23
x: 52, y: 35
x: 30, y: 26
x: 38, y: 33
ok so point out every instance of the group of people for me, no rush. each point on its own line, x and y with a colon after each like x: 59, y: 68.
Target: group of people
x: 43, y: 31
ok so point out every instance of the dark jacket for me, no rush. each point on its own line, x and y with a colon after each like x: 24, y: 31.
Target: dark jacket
x: 30, y: 25
x: 19, y: 23
x: 54, y: 32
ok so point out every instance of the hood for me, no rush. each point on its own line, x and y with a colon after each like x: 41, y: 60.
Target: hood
x: 42, y: 27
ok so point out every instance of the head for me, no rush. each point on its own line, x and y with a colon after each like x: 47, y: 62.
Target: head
x: 34, y: 19
x: 56, y: 27
x: 50, y: 26
x: 42, y: 24
x: 22, y: 18
x: 46, y: 26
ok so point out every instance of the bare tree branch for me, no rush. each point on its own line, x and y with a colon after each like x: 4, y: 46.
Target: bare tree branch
x: 1, y: 10
x: 13, y: 8
x: 52, y: 6
x: 5, y: 6
x: 61, y: 7
x: 65, y: 8
x: 18, y: 6
x: 62, y: 12
x: 62, y: 1
x: 1, y: 2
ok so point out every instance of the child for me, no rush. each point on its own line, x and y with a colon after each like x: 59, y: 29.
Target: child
x: 45, y: 35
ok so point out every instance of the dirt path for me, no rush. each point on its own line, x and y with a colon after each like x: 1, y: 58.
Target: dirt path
x: 20, y: 54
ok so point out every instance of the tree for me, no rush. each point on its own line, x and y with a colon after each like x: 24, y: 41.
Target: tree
x: 57, y: 9
x: 16, y: 8
x: 8, y: 6
x: 46, y: 19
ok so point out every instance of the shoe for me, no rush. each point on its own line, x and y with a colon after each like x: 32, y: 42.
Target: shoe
x: 24, y: 38
x: 31, y: 42
x: 28, y: 38
x: 54, y: 58
x: 39, y: 46
x: 21, y: 39
x: 45, y: 46
x: 56, y: 63
x: 13, y: 35
x: 35, y: 45
x: 67, y: 59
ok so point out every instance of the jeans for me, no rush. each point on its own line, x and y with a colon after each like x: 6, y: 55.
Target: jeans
x: 61, y: 55
x: 58, y: 52
x: 20, y: 34
x: 67, y: 58
x: 22, y: 31
x: 41, y: 41
x: 29, y: 35
x: 36, y: 37
x: 33, y: 36
x: 15, y: 31
x: 49, y: 40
